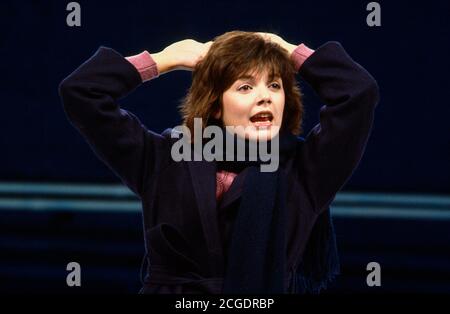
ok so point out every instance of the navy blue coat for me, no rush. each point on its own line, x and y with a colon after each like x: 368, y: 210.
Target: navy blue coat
x: 186, y: 231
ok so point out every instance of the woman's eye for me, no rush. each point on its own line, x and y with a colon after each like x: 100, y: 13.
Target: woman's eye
x: 247, y: 87
x: 276, y: 85
x: 244, y: 87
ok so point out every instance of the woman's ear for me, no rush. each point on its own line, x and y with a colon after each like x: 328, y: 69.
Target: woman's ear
x: 217, y: 114
x: 218, y: 111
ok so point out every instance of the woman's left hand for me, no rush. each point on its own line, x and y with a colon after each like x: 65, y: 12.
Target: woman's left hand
x: 277, y: 39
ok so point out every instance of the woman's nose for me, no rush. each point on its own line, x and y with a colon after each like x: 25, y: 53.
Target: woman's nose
x: 263, y: 96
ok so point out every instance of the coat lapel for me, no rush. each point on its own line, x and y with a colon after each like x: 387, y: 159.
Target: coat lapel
x: 235, y: 190
x: 203, y: 175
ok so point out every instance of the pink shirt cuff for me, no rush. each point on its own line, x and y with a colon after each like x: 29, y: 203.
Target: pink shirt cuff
x: 145, y: 65
x: 148, y: 70
x: 300, y: 54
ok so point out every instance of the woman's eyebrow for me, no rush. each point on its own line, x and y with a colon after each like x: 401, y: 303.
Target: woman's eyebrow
x: 252, y: 79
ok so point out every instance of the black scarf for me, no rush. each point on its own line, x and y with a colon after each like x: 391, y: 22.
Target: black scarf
x: 256, y: 254
x: 257, y: 250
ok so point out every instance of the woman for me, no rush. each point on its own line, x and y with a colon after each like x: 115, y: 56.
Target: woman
x: 225, y: 226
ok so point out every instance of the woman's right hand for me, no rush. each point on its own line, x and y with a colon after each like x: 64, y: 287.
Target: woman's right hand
x: 181, y: 55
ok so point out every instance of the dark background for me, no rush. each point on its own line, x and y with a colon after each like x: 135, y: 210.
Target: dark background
x: 408, y: 151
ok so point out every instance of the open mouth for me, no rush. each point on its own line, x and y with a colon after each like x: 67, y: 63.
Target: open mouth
x: 262, y: 119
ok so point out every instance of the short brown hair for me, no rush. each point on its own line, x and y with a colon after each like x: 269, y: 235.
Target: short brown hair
x: 231, y: 55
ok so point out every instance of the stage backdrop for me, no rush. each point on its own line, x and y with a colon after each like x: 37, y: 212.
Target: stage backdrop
x: 408, y: 55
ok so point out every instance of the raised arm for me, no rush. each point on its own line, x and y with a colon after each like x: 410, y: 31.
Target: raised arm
x: 182, y: 55
x: 90, y: 99
x: 333, y: 148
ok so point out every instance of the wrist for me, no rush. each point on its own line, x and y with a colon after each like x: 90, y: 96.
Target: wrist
x: 291, y: 48
x: 163, y: 62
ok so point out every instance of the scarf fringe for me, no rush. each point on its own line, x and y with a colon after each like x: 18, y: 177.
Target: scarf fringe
x: 320, y: 265
x: 307, y: 284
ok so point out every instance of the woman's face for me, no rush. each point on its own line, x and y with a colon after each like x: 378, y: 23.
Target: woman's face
x: 254, y: 101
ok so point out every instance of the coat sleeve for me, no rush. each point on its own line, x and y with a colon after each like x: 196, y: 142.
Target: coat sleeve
x: 333, y: 148
x: 90, y: 100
